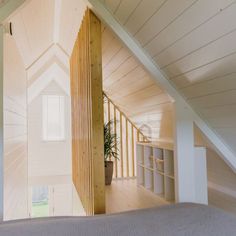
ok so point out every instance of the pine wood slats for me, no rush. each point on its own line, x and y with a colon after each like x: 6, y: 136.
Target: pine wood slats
x: 128, y: 134
x: 87, y: 116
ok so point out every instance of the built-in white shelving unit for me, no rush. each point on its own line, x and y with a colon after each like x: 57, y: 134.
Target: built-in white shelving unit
x: 155, y: 168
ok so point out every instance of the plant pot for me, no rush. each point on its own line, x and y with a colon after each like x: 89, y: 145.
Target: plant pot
x: 108, y: 172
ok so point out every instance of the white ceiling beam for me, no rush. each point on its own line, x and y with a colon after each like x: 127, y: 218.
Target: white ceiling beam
x: 53, y: 73
x: 57, y: 17
x: 52, y: 51
x: 162, y: 80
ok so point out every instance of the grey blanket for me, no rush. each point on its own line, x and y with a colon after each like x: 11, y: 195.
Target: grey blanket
x: 175, y: 220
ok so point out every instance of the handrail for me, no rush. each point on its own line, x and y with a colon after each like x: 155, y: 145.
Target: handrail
x: 125, y: 146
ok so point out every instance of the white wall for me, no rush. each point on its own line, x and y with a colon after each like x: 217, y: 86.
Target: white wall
x: 220, y: 175
x: 15, y: 133
x: 48, y: 158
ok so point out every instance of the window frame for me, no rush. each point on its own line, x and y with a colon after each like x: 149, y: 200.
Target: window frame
x: 45, y: 136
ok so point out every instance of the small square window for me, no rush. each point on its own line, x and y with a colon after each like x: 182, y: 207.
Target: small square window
x: 53, y: 118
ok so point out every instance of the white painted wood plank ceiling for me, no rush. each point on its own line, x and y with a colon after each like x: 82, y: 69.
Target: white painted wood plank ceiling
x: 131, y: 88
x: 45, y: 31
x: 33, y: 29
x: 193, y: 42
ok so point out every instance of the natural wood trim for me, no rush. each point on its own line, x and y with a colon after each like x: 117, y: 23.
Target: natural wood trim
x: 138, y: 136
x: 109, y: 118
x: 127, y: 147
x: 115, y: 130
x: 121, y: 146
x: 88, y: 116
x: 130, y: 142
x: 132, y: 145
x: 126, y: 117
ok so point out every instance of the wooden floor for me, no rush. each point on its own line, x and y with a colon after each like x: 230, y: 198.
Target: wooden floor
x: 125, y: 195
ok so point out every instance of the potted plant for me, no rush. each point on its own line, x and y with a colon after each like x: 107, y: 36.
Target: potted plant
x: 110, y: 151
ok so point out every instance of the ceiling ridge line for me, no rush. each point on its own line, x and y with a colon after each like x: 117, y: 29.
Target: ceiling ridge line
x: 40, y: 56
x: 53, y: 45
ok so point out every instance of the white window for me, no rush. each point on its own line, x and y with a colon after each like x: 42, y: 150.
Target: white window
x: 53, y: 118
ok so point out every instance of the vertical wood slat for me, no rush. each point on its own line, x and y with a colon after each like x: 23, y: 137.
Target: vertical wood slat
x: 132, y: 139
x: 127, y: 147
x: 132, y: 146
x: 138, y: 136
x: 109, y: 119
x: 115, y: 131
x: 121, y: 147
x: 87, y: 116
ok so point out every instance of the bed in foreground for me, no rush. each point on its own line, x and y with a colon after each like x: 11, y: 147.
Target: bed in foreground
x: 177, y: 220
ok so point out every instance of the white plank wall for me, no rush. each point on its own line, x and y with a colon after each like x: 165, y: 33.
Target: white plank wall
x: 15, y: 133
x: 48, y: 158
x: 220, y: 176
x: 131, y: 88
x: 193, y: 42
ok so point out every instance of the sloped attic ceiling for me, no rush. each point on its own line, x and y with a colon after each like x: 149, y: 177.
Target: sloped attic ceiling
x: 193, y: 42
x: 43, y: 24
x: 132, y: 89
x: 45, y: 32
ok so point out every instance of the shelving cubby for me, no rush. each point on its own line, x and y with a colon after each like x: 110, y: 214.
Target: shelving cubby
x: 155, y: 168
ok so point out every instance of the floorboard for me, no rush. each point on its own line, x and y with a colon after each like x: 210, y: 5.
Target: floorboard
x: 125, y: 195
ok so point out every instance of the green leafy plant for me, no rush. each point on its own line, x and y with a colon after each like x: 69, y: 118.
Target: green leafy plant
x: 110, y: 142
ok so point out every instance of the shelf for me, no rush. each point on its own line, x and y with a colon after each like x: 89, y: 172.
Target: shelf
x: 142, y: 165
x: 149, y: 168
x: 155, y: 165
x: 159, y: 172
x: 146, y: 167
x: 169, y: 189
x: 159, y: 160
x: 170, y: 176
x: 148, y: 183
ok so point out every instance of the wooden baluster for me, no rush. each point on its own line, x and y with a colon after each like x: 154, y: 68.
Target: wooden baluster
x: 109, y: 118
x: 132, y: 139
x: 138, y: 135
x: 127, y: 147
x: 115, y: 129
x: 121, y: 146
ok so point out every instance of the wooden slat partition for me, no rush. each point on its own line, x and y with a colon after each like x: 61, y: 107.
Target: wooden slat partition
x: 87, y: 116
x: 128, y: 134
